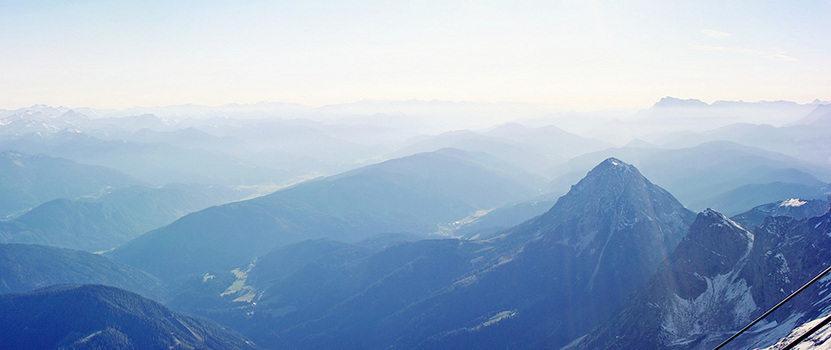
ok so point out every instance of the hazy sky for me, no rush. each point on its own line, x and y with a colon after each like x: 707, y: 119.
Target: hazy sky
x: 575, y: 54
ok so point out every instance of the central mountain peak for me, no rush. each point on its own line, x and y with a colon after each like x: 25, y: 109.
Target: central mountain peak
x: 612, y: 177
x: 618, y: 225
x: 608, y: 234
x: 612, y: 196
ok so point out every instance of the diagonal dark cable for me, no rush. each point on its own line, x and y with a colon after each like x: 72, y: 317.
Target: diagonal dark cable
x: 808, y: 333
x: 773, y: 308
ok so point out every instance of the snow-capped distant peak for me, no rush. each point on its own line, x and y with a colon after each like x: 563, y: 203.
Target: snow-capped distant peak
x: 793, y: 202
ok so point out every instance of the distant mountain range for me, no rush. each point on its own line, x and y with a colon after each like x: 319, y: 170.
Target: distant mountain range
x: 164, y: 150
x: 805, y: 139
x: 693, y: 112
x: 534, y: 149
x: 154, y: 163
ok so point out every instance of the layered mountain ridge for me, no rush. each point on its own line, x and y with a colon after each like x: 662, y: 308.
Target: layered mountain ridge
x: 411, y: 195
x: 372, y: 257
x: 111, y: 217
x: 28, y: 180
x: 524, y: 282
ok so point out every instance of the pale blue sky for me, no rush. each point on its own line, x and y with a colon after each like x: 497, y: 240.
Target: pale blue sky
x: 574, y: 54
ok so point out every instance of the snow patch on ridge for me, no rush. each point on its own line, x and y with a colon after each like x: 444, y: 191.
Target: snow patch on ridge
x: 504, y: 315
x: 88, y: 338
x: 724, y: 221
x: 686, y: 319
x: 793, y: 202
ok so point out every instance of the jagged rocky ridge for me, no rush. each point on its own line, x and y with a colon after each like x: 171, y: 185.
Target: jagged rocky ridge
x: 720, y: 278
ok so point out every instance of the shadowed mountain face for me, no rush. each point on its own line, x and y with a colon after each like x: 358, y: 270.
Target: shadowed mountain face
x: 100, y: 317
x: 410, y: 195
x: 539, y: 284
x: 26, y: 267
x: 719, y: 279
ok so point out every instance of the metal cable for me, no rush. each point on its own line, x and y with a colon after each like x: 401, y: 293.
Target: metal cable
x: 808, y: 333
x: 774, y: 308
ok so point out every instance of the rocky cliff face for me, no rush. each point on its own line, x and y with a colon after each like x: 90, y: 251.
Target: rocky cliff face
x: 719, y: 279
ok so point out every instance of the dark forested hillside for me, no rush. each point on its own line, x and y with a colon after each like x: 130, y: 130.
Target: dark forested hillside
x: 26, y: 267
x: 101, y: 317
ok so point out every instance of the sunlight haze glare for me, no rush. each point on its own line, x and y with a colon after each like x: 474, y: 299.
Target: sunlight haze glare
x: 584, y: 55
